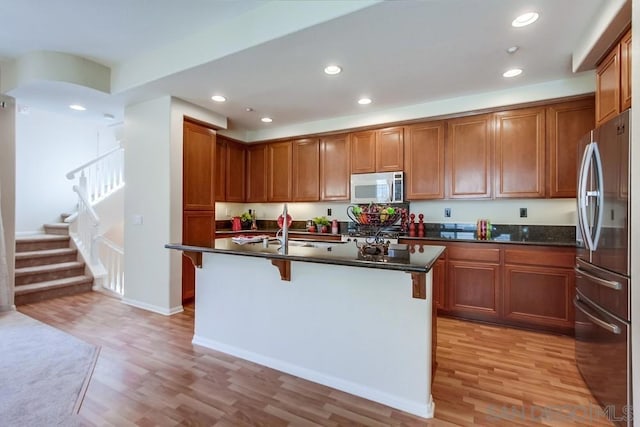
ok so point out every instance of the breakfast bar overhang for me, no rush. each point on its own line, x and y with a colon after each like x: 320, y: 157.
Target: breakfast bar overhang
x: 322, y: 312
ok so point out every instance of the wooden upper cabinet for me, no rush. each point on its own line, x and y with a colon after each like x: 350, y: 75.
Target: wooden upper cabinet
x: 335, y: 167
x: 567, y: 123
x: 306, y: 170
x: 424, y: 161
x: 380, y: 150
x: 235, y: 172
x: 608, y: 87
x: 363, y: 152
x: 390, y: 149
x: 199, y: 175
x: 468, y: 152
x: 279, y: 160
x: 625, y: 71
x: 221, y: 169
x: 257, y: 173
x: 520, y: 153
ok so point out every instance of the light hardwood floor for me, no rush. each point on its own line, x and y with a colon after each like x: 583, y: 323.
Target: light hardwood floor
x: 149, y: 374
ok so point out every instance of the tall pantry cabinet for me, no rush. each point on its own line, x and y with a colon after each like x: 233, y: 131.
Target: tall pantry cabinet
x: 198, y: 195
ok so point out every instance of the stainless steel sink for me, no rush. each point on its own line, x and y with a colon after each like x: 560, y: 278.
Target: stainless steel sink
x: 308, y: 243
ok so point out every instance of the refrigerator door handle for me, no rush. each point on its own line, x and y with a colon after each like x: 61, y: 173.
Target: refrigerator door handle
x: 608, y: 283
x: 599, y: 193
x: 614, y: 329
x: 583, y: 201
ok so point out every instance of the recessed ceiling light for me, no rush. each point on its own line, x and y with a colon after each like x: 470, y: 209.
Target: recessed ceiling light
x: 512, y: 49
x: 77, y: 107
x: 218, y: 98
x: 525, y: 19
x: 266, y: 119
x: 512, y: 72
x: 332, y: 69
x: 364, y: 101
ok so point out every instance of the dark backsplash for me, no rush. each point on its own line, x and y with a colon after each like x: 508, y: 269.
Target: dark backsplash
x: 504, y: 232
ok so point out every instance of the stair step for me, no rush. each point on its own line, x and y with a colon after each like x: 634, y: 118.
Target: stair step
x: 58, y: 228
x: 35, y: 292
x: 45, y: 256
x: 42, y: 273
x: 41, y: 241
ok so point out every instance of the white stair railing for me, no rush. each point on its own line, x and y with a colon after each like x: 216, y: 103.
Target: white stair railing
x: 98, y: 179
x: 104, y: 174
x: 112, y: 258
x: 87, y: 223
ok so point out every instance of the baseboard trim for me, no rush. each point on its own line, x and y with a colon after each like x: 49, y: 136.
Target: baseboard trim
x: 154, y: 308
x: 425, y: 410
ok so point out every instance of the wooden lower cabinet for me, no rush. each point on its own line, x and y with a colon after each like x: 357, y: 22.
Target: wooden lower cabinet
x: 474, y: 290
x: 198, y: 229
x: 539, y: 286
x: 524, y: 286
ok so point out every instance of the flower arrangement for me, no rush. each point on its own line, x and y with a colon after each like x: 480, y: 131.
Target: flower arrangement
x: 246, y: 219
x: 322, y: 223
x: 321, y: 220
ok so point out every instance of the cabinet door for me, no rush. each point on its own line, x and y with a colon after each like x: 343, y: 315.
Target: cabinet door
x: 520, y: 153
x: 468, y: 151
x: 221, y: 170
x: 608, y: 87
x: 198, y: 163
x: 335, y: 167
x: 566, y: 124
x: 363, y: 152
x: 235, y: 172
x: 424, y: 161
x: 306, y: 170
x: 257, y: 173
x: 279, y: 159
x: 539, y: 296
x: 198, y: 229
x: 625, y: 71
x: 390, y: 149
x: 474, y: 290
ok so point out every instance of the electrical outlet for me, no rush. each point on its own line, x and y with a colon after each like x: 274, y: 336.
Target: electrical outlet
x: 447, y: 212
x: 523, y: 212
x: 328, y: 211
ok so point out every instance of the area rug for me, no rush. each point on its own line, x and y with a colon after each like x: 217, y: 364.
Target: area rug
x: 44, y: 372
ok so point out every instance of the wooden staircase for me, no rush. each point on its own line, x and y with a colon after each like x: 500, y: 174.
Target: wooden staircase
x: 48, y: 267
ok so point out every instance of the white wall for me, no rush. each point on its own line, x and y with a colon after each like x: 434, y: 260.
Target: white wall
x: 153, y: 194
x: 48, y: 145
x: 7, y: 192
x: 147, y: 196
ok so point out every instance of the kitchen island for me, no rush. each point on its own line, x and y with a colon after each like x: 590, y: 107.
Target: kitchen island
x: 324, y: 313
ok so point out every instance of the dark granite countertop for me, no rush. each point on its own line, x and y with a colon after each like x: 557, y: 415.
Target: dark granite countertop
x: 336, y: 253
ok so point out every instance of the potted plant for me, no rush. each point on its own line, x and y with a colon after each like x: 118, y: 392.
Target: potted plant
x: 246, y: 220
x: 322, y: 223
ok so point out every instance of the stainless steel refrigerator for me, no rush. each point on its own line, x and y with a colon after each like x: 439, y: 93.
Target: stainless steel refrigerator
x: 603, y: 311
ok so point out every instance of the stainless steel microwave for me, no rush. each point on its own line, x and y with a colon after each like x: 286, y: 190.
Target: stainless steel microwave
x: 383, y: 187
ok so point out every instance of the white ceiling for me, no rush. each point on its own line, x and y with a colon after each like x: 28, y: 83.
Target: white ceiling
x: 399, y: 53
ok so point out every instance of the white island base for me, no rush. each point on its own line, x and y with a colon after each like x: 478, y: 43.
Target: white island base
x: 350, y: 328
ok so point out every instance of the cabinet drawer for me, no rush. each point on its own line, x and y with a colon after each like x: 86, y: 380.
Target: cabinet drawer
x: 547, y: 257
x: 474, y: 253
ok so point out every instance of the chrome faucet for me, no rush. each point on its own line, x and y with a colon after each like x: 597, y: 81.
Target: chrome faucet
x: 285, y: 231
